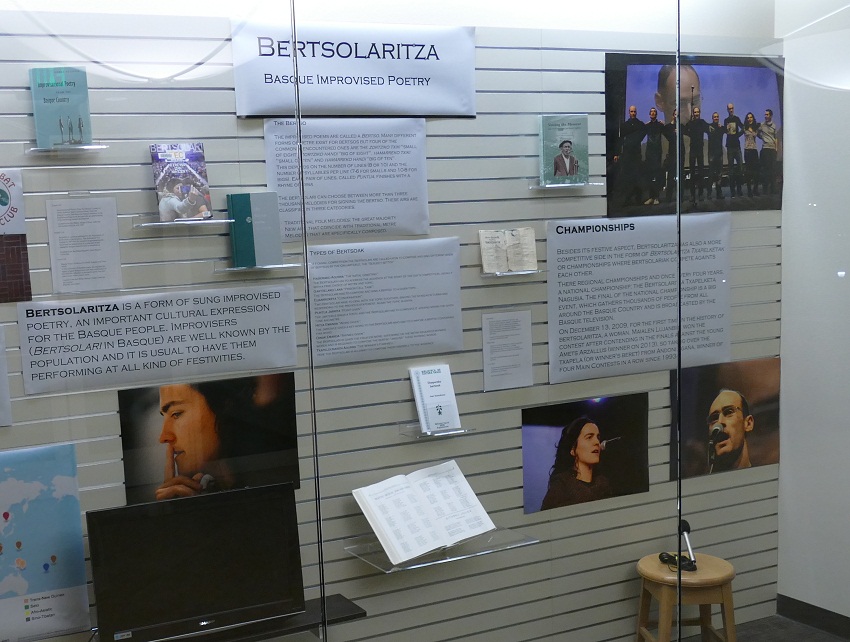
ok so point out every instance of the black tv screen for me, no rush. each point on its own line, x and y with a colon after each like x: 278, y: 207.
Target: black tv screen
x: 196, y: 566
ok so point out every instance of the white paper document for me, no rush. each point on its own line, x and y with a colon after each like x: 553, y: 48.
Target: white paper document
x: 507, y: 350
x: 83, y: 236
x: 435, y: 398
x: 385, y: 300
x: 363, y: 176
x: 5, y: 399
x: 423, y: 511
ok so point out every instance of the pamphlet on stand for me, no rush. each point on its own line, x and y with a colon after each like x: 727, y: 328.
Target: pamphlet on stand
x: 422, y: 512
x: 435, y: 398
x: 506, y: 251
x: 60, y: 101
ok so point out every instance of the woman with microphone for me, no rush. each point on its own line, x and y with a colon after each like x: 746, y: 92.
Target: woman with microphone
x: 572, y: 478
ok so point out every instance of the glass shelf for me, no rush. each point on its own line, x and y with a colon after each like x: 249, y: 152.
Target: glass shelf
x: 152, y: 221
x: 66, y: 149
x: 537, y: 186
x: 413, y: 430
x: 282, y: 266
x: 368, y: 549
x: 491, y: 275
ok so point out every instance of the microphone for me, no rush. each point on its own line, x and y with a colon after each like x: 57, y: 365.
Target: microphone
x: 604, y: 444
x: 687, y: 565
x: 714, y: 437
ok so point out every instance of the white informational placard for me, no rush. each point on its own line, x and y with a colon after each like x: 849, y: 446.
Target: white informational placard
x: 152, y: 338
x: 83, y: 238
x: 5, y: 398
x: 361, y: 175
x: 385, y: 300
x: 11, y: 202
x: 43, y: 589
x: 354, y: 70
x: 614, y: 294
x: 507, y: 350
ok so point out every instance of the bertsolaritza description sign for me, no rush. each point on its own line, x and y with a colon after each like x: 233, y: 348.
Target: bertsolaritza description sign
x: 363, y: 176
x: 354, y: 70
x: 615, y: 292
x: 96, y: 343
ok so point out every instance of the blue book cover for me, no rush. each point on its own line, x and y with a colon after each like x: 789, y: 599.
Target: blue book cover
x: 60, y: 100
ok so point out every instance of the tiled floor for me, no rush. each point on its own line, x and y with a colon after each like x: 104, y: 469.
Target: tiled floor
x: 778, y: 629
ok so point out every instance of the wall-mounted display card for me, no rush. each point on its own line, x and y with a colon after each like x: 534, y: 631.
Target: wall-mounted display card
x: 729, y: 416
x: 615, y: 293
x: 421, y: 512
x: 255, y: 230
x: 83, y: 239
x: 5, y: 398
x: 506, y: 251
x: 43, y: 589
x: 506, y: 338
x: 60, y: 101
x: 180, y: 181
x: 12, y: 202
x: 242, y: 433
x: 354, y: 70
x: 563, y: 149
x: 584, y: 451
x: 435, y: 399
x: 88, y: 344
x: 361, y: 175
x: 385, y: 300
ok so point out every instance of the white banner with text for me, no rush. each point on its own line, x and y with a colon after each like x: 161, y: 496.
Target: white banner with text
x: 354, y: 69
x: 615, y: 292
x: 106, y: 343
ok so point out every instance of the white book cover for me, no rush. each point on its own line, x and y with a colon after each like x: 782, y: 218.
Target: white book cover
x: 435, y: 398
x: 421, y: 512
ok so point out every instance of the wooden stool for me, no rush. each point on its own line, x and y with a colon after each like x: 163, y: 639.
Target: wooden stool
x: 710, y: 584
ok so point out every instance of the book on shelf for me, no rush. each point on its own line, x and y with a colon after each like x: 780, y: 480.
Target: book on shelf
x: 180, y: 180
x: 60, y: 101
x: 255, y: 231
x: 505, y: 251
x: 564, y: 149
x: 435, y: 398
x: 424, y: 511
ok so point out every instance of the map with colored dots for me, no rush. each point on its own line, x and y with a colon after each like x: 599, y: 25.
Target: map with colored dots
x: 42, y: 560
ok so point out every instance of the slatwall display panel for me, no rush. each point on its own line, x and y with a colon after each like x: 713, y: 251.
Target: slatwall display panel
x: 579, y: 581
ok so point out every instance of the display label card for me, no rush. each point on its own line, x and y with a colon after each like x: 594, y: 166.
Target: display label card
x: 614, y: 294
x: 361, y: 175
x: 5, y: 398
x: 385, y: 300
x: 506, y: 338
x: 106, y: 343
x: 354, y: 70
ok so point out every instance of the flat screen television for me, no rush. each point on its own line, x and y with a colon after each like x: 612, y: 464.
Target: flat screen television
x: 191, y: 567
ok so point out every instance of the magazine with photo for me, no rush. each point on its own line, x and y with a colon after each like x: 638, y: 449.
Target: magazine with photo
x: 180, y: 180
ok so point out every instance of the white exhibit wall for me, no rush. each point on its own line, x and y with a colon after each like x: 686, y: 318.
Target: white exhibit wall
x: 814, y: 504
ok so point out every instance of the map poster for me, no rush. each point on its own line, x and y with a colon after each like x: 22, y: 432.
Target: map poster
x: 42, y: 562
